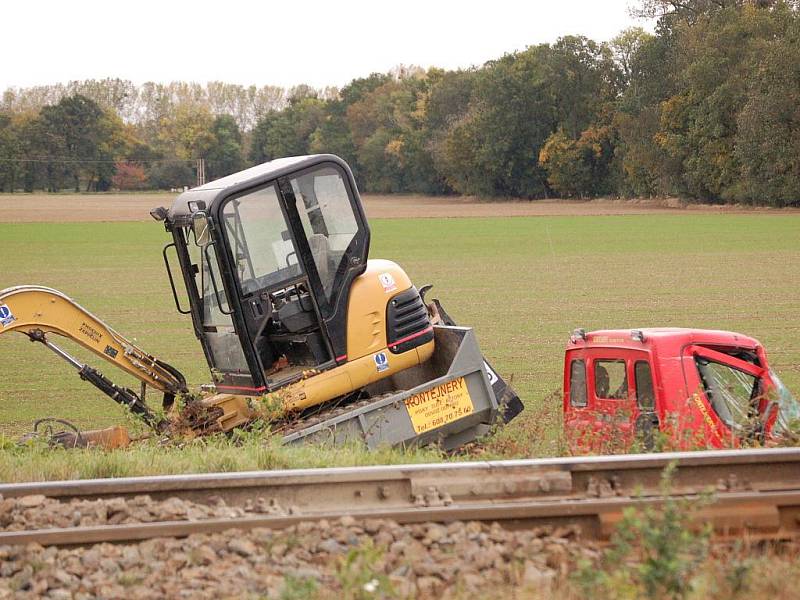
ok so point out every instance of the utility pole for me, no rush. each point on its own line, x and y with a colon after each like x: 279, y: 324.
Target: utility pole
x: 201, y: 171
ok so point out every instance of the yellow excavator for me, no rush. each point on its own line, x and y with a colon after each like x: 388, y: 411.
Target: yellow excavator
x: 287, y: 306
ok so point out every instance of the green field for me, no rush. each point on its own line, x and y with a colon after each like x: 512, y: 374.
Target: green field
x: 523, y: 283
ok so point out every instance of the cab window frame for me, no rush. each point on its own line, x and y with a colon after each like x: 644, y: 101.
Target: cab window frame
x: 598, y: 362
x: 229, y: 246
x: 636, y: 380
x: 572, y: 381
x: 357, y: 257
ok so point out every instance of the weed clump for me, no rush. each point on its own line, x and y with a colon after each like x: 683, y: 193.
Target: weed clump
x: 360, y: 574
x: 654, y: 552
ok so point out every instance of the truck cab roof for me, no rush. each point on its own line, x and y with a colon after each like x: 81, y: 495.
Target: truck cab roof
x: 666, y: 339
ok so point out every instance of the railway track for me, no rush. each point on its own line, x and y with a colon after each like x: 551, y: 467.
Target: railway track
x: 755, y: 493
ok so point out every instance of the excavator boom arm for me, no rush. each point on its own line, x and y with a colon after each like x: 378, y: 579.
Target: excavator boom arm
x: 38, y: 311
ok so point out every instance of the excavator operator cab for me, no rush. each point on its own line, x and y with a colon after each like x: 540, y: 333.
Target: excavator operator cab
x: 268, y: 256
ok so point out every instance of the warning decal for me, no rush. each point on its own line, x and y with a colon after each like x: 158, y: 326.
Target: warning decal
x: 6, y: 316
x: 381, y: 361
x: 388, y: 282
x: 439, y: 405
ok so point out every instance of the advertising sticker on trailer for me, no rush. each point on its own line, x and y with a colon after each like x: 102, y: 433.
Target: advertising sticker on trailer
x: 439, y: 405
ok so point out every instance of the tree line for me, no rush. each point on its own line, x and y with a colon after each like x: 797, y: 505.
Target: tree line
x: 706, y: 108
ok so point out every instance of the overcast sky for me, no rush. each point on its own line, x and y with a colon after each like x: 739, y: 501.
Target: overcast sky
x: 280, y: 43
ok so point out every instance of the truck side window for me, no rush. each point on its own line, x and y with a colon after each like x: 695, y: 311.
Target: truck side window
x: 645, y: 396
x: 610, y: 379
x: 577, y: 383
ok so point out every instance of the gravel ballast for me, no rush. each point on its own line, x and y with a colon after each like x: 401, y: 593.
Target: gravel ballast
x: 344, y: 558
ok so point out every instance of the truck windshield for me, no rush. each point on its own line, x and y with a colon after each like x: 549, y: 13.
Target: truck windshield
x: 788, y: 407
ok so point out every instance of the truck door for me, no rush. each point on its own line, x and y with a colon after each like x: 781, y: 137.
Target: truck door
x: 578, y: 419
x: 732, y: 394
x: 609, y: 399
x: 615, y: 408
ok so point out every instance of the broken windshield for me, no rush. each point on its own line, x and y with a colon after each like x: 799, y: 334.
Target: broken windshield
x: 732, y: 393
x: 788, y: 407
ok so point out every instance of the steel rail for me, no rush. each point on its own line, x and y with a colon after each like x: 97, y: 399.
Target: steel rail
x: 758, y: 515
x: 381, y: 487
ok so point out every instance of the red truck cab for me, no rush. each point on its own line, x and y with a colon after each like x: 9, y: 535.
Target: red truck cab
x: 669, y: 388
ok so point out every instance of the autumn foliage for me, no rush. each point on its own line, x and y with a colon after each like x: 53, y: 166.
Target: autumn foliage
x: 129, y: 176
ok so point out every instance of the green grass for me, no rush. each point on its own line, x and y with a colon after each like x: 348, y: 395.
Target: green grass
x: 523, y: 283
x: 249, y: 451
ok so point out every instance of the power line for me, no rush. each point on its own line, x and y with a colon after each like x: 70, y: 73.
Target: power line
x: 100, y: 161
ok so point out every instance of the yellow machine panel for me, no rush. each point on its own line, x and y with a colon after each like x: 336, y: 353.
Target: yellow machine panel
x: 368, y: 356
x: 366, y: 313
x: 351, y: 376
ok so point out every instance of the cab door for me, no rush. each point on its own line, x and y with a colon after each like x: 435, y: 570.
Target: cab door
x: 615, y: 406
x: 732, y: 394
x: 280, y: 314
x: 577, y: 409
x: 600, y: 403
x: 617, y: 403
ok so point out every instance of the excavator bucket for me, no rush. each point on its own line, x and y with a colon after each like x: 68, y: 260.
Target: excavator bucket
x: 451, y: 400
x: 447, y: 400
